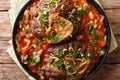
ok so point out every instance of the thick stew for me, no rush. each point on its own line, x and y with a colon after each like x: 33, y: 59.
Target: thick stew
x: 60, y: 39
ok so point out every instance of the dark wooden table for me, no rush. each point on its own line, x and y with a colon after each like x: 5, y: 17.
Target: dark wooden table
x: 110, y: 70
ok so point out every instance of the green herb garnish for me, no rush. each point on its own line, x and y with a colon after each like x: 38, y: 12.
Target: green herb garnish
x: 89, y: 53
x: 44, y: 17
x: 93, y: 41
x: 16, y: 39
x: 36, y: 58
x: 34, y: 45
x: 76, y: 53
x: 54, y: 36
x: 26, y: 29
x: 70, y: 70
x: 44, y: 10
x: 58, y: 62
x: 81, y: 11
x: 41, y: 26
x: 62, y: 24
x: 100, y: 50
x: 26, y: 59
x: 61, y: 52
x: 89, y: 24
x: 21, y: 22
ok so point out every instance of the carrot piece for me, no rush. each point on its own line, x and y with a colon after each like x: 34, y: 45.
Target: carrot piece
x: 51, y: 79
x: 102, y: 43
x: 44, y: 46
x: 91, y: 15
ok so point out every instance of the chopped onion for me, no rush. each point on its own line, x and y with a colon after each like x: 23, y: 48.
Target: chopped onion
x: 102, y: 52
x: 102, y: 18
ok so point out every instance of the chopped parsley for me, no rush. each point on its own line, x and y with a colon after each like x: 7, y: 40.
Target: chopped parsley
x: 34, y: 45
x: 21, y: 22
x: 41, y: 26
x: 90, y: 24
x: 100, y: 50
x: 70, y: 70
x: 44, y: 10
x: 89, y: 53
x: 76, y: 53
x: 54, y: 36
x: 93, y: 41
x: 36, y: 58
x: 62, y: 24
x: 61, y: 52
x: 26, y: 59
x: 81, y: 11
x: 44, y: 18
x: 16, y: 39
x: 26, y: 29
x: 58, y: 62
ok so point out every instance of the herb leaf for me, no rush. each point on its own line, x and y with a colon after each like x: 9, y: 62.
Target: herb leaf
x: 34, y: 45
x: 62, y: 24
x: 21, y: 22
x: 81, y: 11
x: 70, y: 70
x: 89, y: 53
x: 26, y: 29
x: 58, y: 62
x: 76, y: 53
x: 26, y: 59
x: 44, y: 18
x: 54, y: 36
x: 16, y: 39
x: 61, y: 53
x: 36, y: 58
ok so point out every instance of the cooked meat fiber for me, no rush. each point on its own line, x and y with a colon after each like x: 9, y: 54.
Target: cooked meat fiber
x: 34, y: 11
x: 53, y: 71
x: 36, y: 30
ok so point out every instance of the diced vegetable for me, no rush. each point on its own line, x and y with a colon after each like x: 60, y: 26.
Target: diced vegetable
x: 62, y: 24
x: 81, y: 11
x: 34, y: 45
x: 44, y: 18
x: 61, y: 53
x: 93, y: 41
x: 16, y: 39
x: 26, y: 59
x: 36, y: 58
x: 26, y: 29
x: 54, y: 36
x: 44, y: 10
x: 76, y: 54
x: 91, y: 15
x: 70, y: 70
x: 25, y: 50
x: 89, y: 53
x: 42, y: 26
x: 90, y: 24
x: 21, y: 22
x: 58, y: 62
x: 99, y: 50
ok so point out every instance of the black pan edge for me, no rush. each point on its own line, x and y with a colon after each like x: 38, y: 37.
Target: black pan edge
x: 101, y: 60
x: 13, y: 39
x: 108, y: 34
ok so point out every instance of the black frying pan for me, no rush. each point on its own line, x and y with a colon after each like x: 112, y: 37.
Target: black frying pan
x: 97, y: 65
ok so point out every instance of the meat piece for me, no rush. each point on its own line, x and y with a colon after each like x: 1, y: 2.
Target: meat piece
x: 34, y: 11
x: 64, y: 7
x: 63, y: 31
x: 53, y: 71
x: 36, y: 30
x: 54, y: 49
x: 76, y: 44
